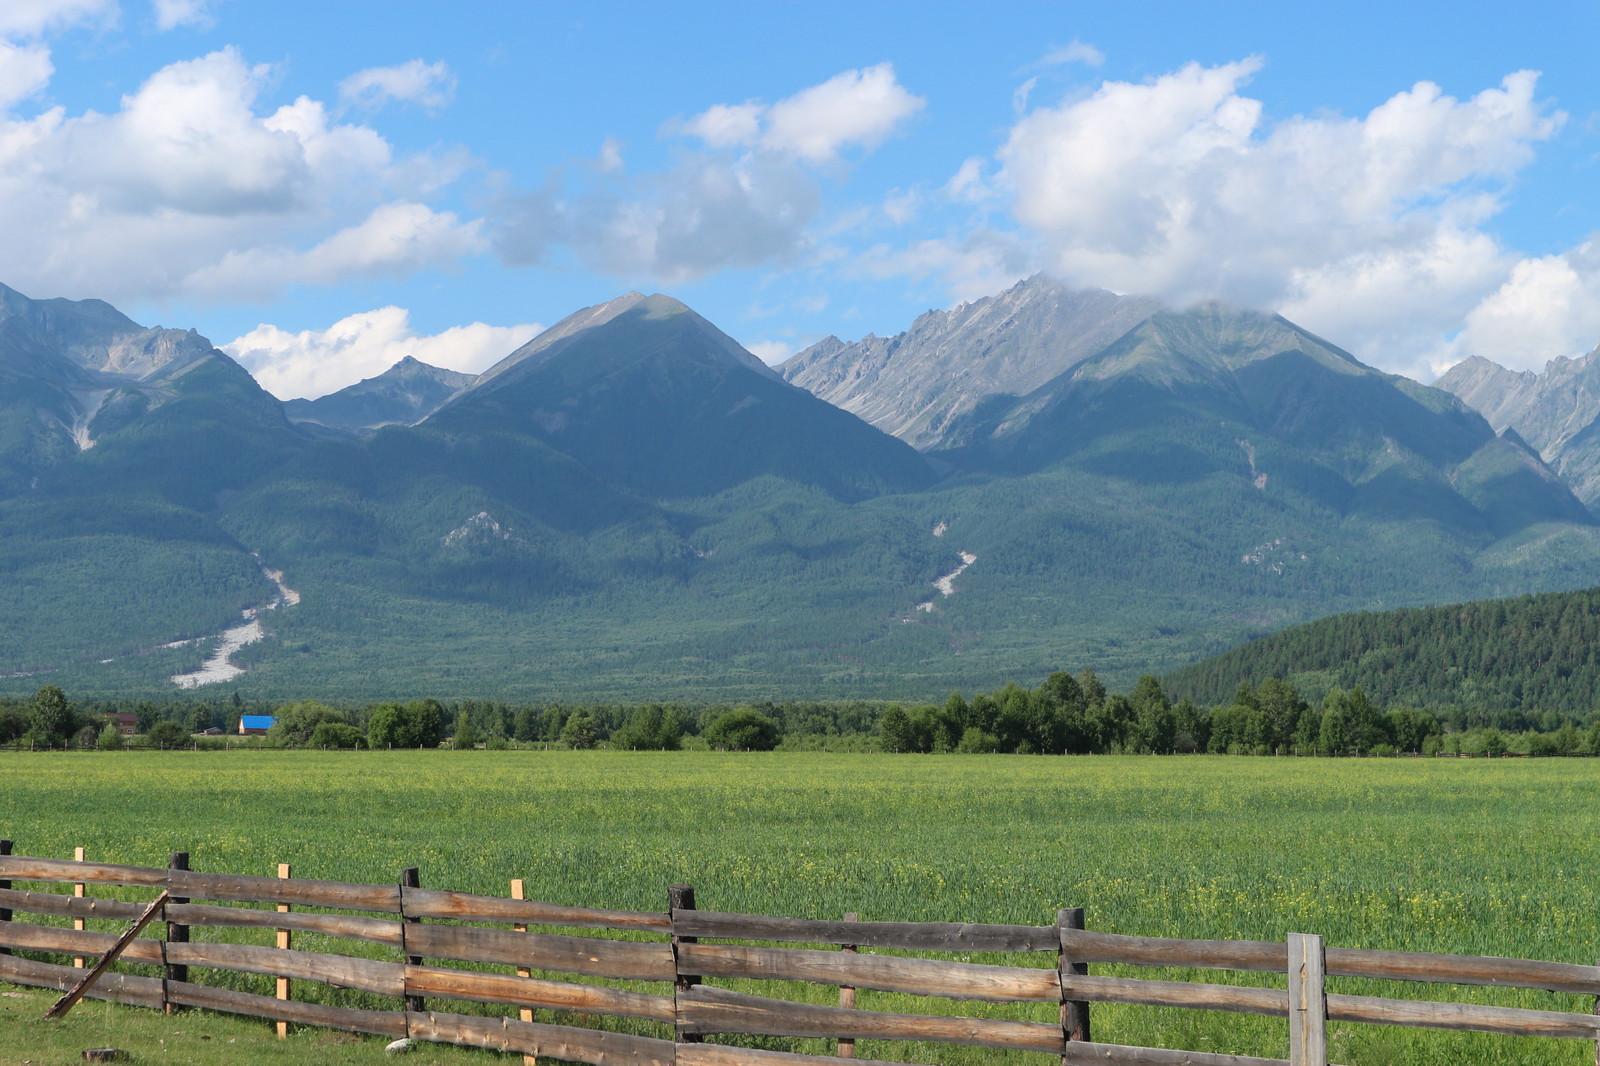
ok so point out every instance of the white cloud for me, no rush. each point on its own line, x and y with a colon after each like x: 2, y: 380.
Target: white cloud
x: 170, y: 14
x: 968, y: 184
x: 971, y: 266
x: 1178, y: 188
x: 859, y: 108
x: 190, y: 179
x: 706, y: 214
x: 725, y: 125
x: 395, y: 240
x: 428, y: 85
x: 316, y: 362
x: 770, y: 352
x: 30, y: 18
x: 1547, y: 307
x: 24, y: 71
x: 748, y: 198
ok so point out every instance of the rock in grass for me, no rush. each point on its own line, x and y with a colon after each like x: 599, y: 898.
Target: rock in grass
x: 105, y: 1054
x: 400, y: 1047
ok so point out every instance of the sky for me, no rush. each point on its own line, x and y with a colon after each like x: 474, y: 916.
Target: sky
x: 324, y: 188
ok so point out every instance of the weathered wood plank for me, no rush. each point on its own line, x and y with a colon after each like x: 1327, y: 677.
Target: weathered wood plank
x: 704, y: 1009
x: 201, y: 885
x: 904, y: 936
x: 339, y: 895
x: 337, y: 971
x: 1308, y: 1009
x: 463, y: 906
x: 622, y: 959
x: 1464, y: 970
x: 1232, y: 998
x: 884, y: 973
x: 60, y: 905
x: 28, y: 868
x: 86, y: 942
x: 565, y: 1043
x: 381, y: 1023
x: 1087, y: 946
x: 115, y: 987
x: 1471, y: 1017
x: 535, y: 992
x: 348, y: 926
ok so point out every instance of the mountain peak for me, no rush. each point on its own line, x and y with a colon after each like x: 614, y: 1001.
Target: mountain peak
x: 916, y: 384
x: 597, y: 340
x: 405, y: 394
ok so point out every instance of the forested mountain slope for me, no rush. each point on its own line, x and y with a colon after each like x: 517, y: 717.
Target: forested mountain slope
x: 1531, y: 653
x: 632, y: 506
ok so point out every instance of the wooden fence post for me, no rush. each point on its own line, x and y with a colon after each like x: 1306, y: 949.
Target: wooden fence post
x: 847, y: 997
x: 284, y: 941
x: 5, y: 912
x: 681, y: 898
x: 78, y: 889
x: 1308, y: 1003
x: 1074, y: 1013
x: 176, y: 933
x: 1597, y: 1035
x: 410, y: 877
x: 524, y: 1013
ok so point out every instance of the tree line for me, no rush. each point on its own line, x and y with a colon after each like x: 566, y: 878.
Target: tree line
x: 1066, y: 714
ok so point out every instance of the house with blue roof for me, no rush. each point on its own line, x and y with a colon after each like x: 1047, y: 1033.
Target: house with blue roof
x: 255, y: 725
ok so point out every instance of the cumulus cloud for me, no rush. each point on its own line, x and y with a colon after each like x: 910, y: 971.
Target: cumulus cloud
x: 170, y: 14
x: 747, y: 197
x: 859, y: 108
x: 313, y: 363
x: 1179, y: 188
x: 1547, y: 306
x: 24, y: 71
x: 190, y: 179
x: 428, y: 85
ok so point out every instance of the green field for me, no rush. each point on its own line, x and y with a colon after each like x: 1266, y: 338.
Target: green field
x: 1492, y: 857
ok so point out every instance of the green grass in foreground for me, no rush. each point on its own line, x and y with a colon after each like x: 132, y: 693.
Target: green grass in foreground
x: 189, y: 1039
x: 1489, y: 857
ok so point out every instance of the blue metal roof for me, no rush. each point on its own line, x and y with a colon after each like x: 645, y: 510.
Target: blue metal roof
x: 256, y: 721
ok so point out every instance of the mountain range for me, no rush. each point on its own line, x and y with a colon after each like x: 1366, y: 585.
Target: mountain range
x: 1557, y: 411
x: 633, y: 506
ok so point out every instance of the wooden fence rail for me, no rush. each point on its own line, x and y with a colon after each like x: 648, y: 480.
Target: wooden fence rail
x: 675, y: 954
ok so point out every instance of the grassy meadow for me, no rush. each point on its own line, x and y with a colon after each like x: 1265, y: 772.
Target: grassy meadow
x: 1493, y: 857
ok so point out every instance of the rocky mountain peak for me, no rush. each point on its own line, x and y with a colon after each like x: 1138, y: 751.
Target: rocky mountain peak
x: 915, y: 384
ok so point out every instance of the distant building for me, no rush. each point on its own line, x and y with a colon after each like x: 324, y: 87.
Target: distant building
x: 127, y: 723
x: 255, y: 724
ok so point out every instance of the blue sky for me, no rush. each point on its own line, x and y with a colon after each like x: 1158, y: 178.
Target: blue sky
x: 322, y: 188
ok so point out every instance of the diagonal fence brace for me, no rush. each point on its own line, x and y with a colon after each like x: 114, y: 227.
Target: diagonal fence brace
x: 68, y: 1001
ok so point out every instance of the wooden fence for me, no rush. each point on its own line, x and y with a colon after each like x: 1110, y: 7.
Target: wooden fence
x: 672, y: 952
